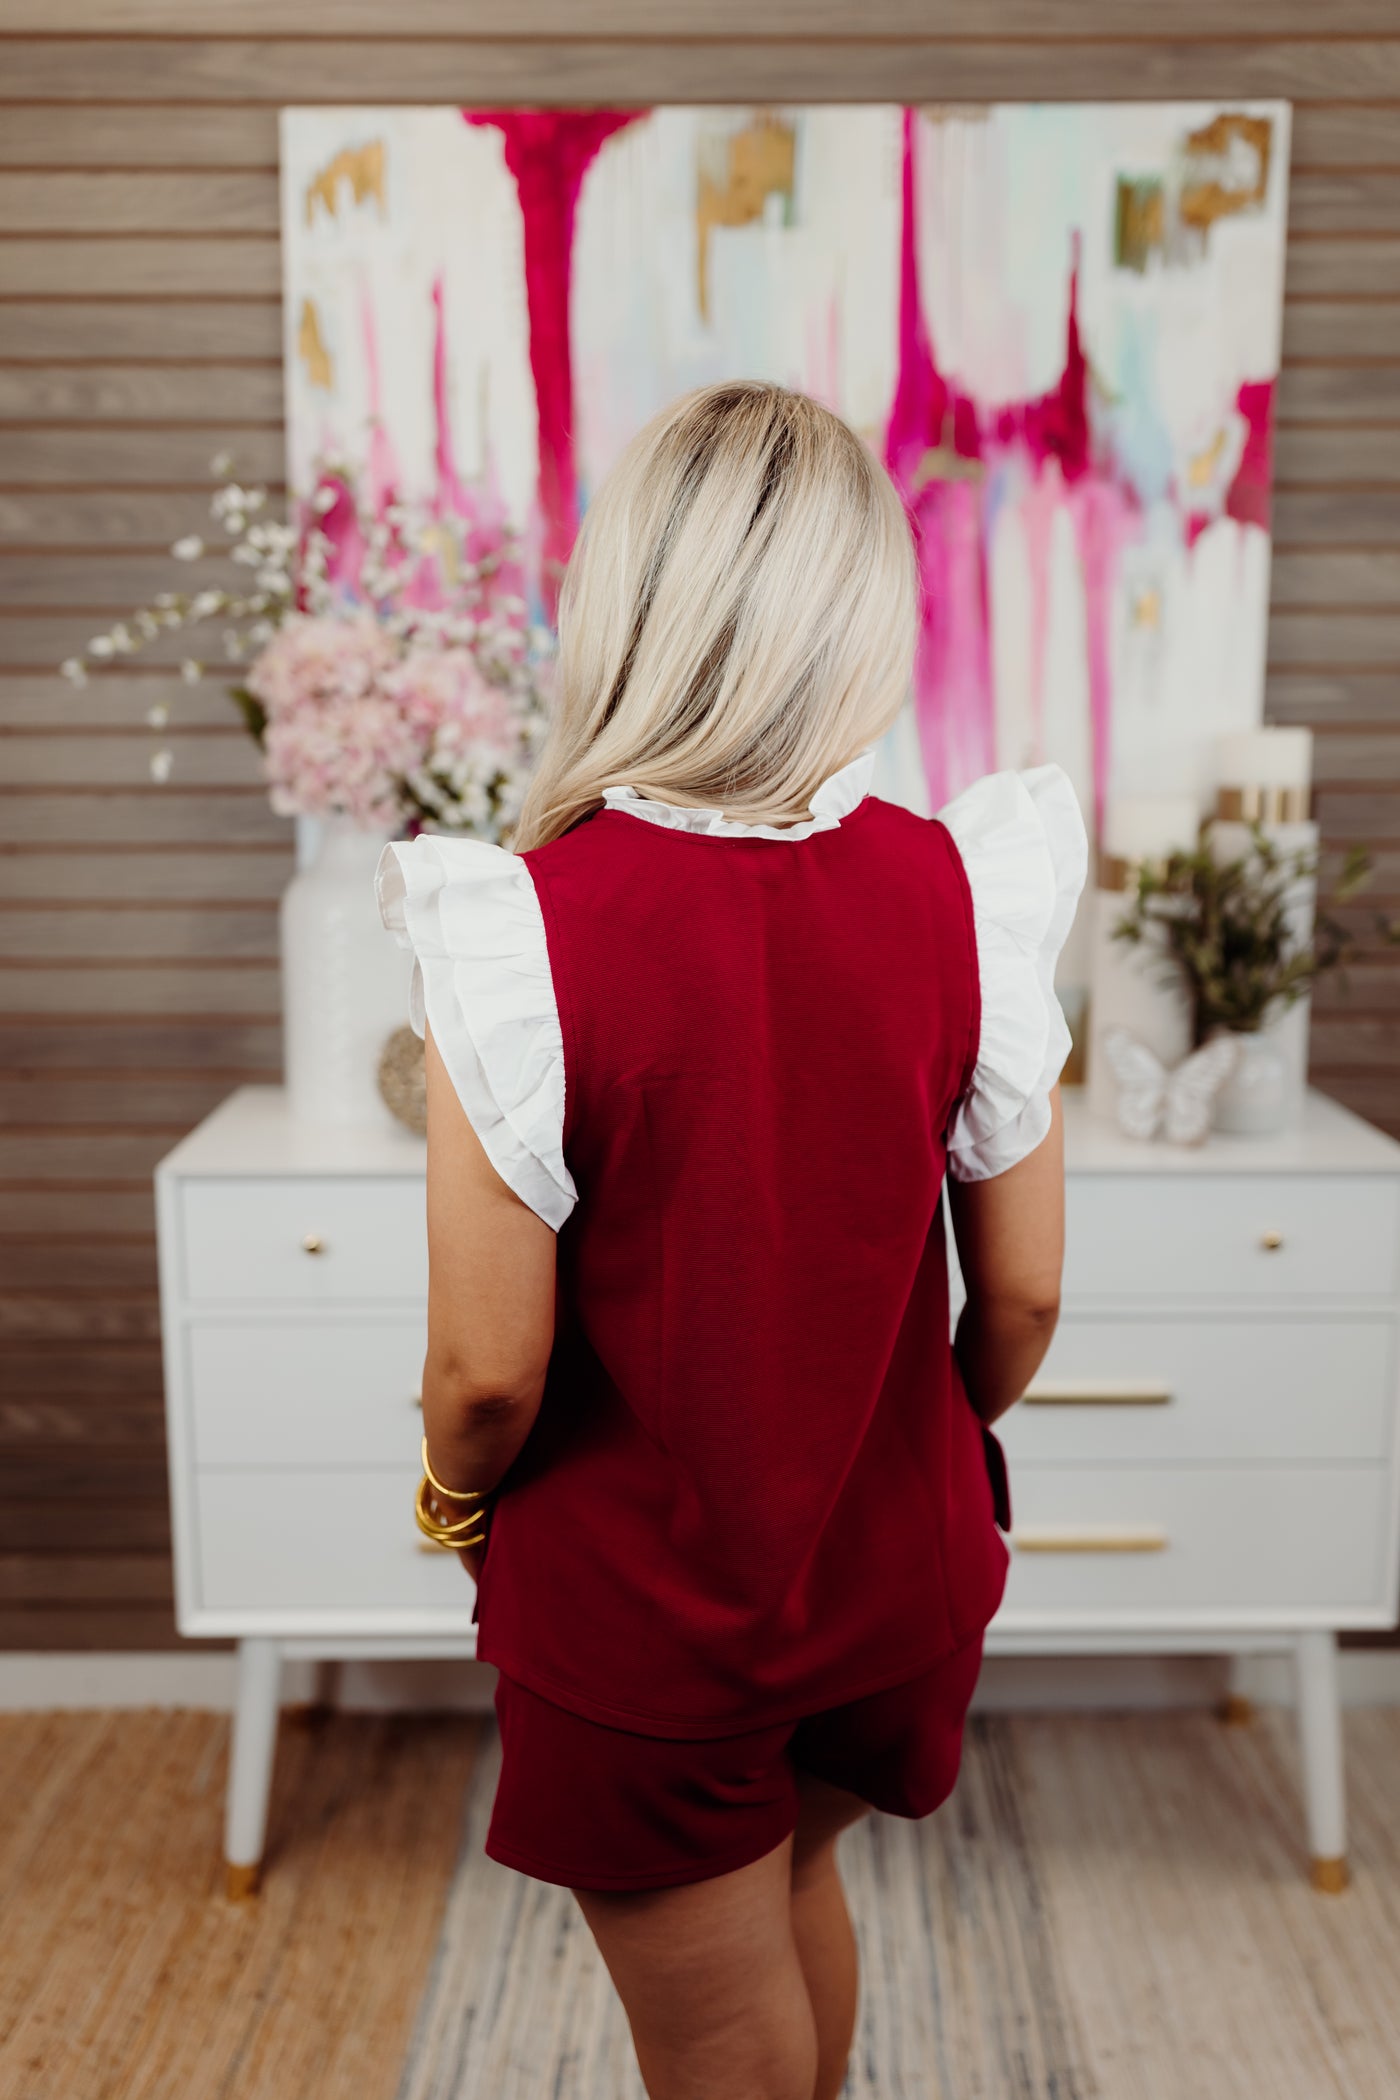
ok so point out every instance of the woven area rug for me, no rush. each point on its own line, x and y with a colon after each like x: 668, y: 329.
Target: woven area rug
x: 961, y: 1988
x: 1111, y: 1907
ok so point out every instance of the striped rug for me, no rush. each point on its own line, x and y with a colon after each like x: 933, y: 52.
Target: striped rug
x: 1109, y: 1908
x: 957, y: 1960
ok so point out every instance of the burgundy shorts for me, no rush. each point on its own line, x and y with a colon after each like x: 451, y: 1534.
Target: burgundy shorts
x: 594, y: 1807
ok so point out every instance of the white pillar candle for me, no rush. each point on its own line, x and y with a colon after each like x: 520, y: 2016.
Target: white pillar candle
x: 1148, y: 827
x: 1265, y: 758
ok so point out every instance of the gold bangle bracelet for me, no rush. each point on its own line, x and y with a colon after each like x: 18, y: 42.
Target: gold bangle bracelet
x: 457, y: 1533
x: 451, y: 1540
x: 443, y: 1524
x: 451, y: 1494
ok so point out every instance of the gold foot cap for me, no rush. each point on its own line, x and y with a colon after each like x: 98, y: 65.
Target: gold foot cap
x: 1330, y: 1875
x: 312, y: 1715
x: 1236, y: 1711
x: 241, y: 1882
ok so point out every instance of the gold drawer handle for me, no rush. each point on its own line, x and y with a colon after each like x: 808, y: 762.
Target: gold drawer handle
x: 1048, y: 1540
x: 1271, y: 1241
x: 1090, y: 1392
x: 312, y: 1243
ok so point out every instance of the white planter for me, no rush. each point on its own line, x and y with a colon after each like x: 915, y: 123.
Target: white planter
x: 344, y: 981
x: 1288, y: 1032
x: 1257, y: 1098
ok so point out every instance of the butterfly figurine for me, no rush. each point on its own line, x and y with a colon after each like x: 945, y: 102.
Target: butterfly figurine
x: 1177, y: 1101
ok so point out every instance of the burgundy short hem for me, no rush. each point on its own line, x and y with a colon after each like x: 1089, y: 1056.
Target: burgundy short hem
x: 586, y: 1806
x: 670, y: 1877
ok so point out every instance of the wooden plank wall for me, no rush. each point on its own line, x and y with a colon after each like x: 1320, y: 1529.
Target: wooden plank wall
x: 139, y: 332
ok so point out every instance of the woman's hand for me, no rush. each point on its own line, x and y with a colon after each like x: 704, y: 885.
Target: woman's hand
x: 471, y: 1558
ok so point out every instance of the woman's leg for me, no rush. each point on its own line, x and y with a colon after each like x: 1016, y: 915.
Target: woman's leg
x: 821, y: 1924
x: 712, y: 1985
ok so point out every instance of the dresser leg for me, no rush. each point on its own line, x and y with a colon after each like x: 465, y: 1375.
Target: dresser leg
x: 1320, y: 1732
x: 250, y: 1765
x: 1236, y: 1708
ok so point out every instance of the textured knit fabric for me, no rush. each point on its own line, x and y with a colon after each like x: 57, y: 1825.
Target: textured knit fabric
x: 482, y: 976
x: 755, y: 1488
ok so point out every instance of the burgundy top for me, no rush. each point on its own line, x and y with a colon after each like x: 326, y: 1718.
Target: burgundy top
x: 755, y: 1487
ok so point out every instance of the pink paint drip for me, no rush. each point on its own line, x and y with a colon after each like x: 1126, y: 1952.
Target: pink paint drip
x: 477, y: 505
x: 952, y: 671
x: 340, y: 525
x: 1050, y: 437
x: 1037, y: 510
x: 381, y: 465
x: 1103, y: 516
x: 549, y: 151
x: 339, y: 522
x: 450, y: 497
x: 1248, y: 498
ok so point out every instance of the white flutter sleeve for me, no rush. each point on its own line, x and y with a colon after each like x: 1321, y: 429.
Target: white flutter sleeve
x: 1023, y: 846
x: 481, y: 978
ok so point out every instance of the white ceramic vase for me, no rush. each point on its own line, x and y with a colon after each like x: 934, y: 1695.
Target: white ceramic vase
x: 1287, y: 1032
x: 344, y: 980
x: 1259, y: 1095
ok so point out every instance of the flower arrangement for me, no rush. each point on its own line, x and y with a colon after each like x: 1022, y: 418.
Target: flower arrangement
x: 1225, y: 929
x: 380, y: 652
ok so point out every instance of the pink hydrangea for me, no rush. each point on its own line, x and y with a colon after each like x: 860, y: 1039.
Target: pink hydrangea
x: 366, y: 723
x: 437, y: 687
x: 336, y: 742
x: 315, y: 662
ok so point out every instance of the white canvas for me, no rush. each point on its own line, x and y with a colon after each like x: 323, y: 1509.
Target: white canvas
x: 1092, y: 514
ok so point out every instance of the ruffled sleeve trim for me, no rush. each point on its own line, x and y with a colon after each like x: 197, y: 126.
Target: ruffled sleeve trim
x: 481, y: 978
x: 1024, y: 850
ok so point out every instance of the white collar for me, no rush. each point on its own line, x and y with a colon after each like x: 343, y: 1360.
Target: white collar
x: 833, y: 800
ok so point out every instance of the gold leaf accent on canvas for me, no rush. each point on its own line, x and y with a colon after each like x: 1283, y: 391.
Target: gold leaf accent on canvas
x: 440, y: 546
x: 1227, y: 168
x: 361, y: 166
x: 738, y: 173
x: 1139, y: 221
x: 942, y: 462
x: 1201, y: 467
x: 1147, y: 607
x: 312, y: 349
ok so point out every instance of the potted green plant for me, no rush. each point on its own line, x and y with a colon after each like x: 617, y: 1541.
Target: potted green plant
x: 1231, y: 932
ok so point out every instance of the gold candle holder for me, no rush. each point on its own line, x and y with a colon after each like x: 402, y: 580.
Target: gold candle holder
x: 1115, y: 873
x: 1119, y: 874
x: 1263, y: 805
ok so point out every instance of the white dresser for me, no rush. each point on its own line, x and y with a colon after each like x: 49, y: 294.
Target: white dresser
x: 1209, y: 1460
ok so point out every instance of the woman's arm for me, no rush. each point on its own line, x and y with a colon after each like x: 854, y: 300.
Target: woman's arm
x: 490, y: 1302
x: 1010, y: 1233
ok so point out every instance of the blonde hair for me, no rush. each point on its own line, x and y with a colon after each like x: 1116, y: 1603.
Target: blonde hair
x: 737, y: 620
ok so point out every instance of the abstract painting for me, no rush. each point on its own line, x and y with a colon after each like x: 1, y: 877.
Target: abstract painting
x: 1058, y: 326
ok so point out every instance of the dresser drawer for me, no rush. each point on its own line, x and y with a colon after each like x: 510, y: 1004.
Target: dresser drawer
x: 311, y: 1239
x: 333, y: 1541
x: 1272, y: 1237
x: 298, y: 1392
x: 1216, y: 1389
x: 1111, y: 1542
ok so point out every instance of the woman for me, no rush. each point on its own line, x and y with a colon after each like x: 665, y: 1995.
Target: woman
x: 720, y: 1026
